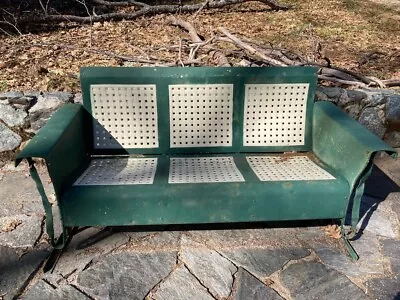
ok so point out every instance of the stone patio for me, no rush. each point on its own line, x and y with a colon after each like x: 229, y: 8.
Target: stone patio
x: 225, y: 262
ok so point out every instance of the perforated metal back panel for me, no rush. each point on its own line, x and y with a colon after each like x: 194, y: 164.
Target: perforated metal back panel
x: 126, y: 116
x: 275, y: 114
x: 119, y: 171
x: 280, y: 168
x: 204, y: 169
x: 200, y: 115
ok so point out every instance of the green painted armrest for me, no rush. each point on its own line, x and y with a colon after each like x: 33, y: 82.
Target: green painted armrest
x: 346, y: 146
x: 61, y: 142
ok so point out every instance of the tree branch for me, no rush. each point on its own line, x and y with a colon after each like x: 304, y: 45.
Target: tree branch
x: 251, y: 49
x: 145, y: 9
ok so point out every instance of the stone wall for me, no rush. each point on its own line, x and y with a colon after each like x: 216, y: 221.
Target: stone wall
x: 376, y: 109
x: 23, y: 114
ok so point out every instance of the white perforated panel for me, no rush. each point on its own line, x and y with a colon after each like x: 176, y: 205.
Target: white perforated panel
x: 203, y: 169
x: 126, y: 115
x: 275, y: 114
x: 280, y: 168
x: 119, y: 171
x: 200, y: 115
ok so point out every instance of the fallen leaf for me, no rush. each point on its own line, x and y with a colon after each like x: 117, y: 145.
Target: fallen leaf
x: 333, y: 231
x: 11, y: 225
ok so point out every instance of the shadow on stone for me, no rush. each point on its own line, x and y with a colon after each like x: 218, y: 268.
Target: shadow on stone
x: 377, y: 189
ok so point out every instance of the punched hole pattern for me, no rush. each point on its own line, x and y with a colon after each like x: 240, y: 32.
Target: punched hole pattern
x: 275, y: 114
x: 281, y: 168
x: 125, y: 115
x: 119, y: 171
x: 204, y: 170
x: 200, y: 115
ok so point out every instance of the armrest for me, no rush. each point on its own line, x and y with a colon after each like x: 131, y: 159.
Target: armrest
x: 61, y: 142
x: 346, y: 146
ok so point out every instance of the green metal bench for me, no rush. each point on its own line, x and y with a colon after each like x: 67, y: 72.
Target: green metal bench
x: 201, y: 145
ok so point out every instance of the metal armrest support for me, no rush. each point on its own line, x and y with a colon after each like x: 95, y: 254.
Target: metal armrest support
x: 61, y: 143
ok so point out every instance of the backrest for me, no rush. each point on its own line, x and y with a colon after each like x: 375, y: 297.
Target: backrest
x: 199, y: 109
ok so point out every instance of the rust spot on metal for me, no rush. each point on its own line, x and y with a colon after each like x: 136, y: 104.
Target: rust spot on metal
x: 287, y: 185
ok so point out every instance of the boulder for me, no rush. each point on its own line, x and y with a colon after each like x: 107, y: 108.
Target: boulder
x: 9, y: 140
x: 11, y: 116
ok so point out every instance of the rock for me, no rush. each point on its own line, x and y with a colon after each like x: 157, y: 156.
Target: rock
x: 393, y: 139
x: 150, y: 241
x: 126, y: 275
x: 33, y: 94
x: 264, y: 262
x: 10, y: 95
x: 313, y: 280
x: 20, y: 231
x: 42, y: 111
x: 42, y: 290
x: 11, y: 116
x: 371, y: 262
x: 229, y: 239
x: 213, y: 270
x: 344, y: 99
x: 353, y: 110
x: 319, y: 96
x: 15, y: 271
x: 88, y: 246
x: 25, y: 101
x: 370, y: 118
x: 244, y: 63
x: 54, y: 279
x: 78, y: 98
x: 46, y: 104
x: 384, y: 288
x: 62, y: 96
x: 393, y: 109
x: 356, y: 95
x: 8, y: 139
x: 181, y: 285
x: 375, y: 97
x: 249, y: 287
x: 394, y: 200
x: 333, y: 93
x: 24, y: 199
x: 391, y: 249
x: 381, y: 221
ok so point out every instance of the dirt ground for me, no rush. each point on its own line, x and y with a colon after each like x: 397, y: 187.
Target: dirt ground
x: 362, y: 36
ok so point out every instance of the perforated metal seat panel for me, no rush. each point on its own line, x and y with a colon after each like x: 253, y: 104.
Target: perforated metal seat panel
x: 282, y: 168
x: 119, y: 171
x: 203, y: 170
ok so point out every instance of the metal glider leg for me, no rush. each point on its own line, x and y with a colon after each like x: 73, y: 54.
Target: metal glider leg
x: 350, y: 250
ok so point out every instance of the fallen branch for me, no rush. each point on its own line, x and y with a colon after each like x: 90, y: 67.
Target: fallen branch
x: 144, y: 9
x: 347, y: 82
x: 391, y: 82
x: 251, y: 49
x: 217, y: 55
x: 171, y: 20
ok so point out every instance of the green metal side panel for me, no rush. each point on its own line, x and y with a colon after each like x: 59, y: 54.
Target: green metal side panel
x: 347, y: 147
x: 163, y: 203
x: 61, y: 142
x: 163, y: 77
